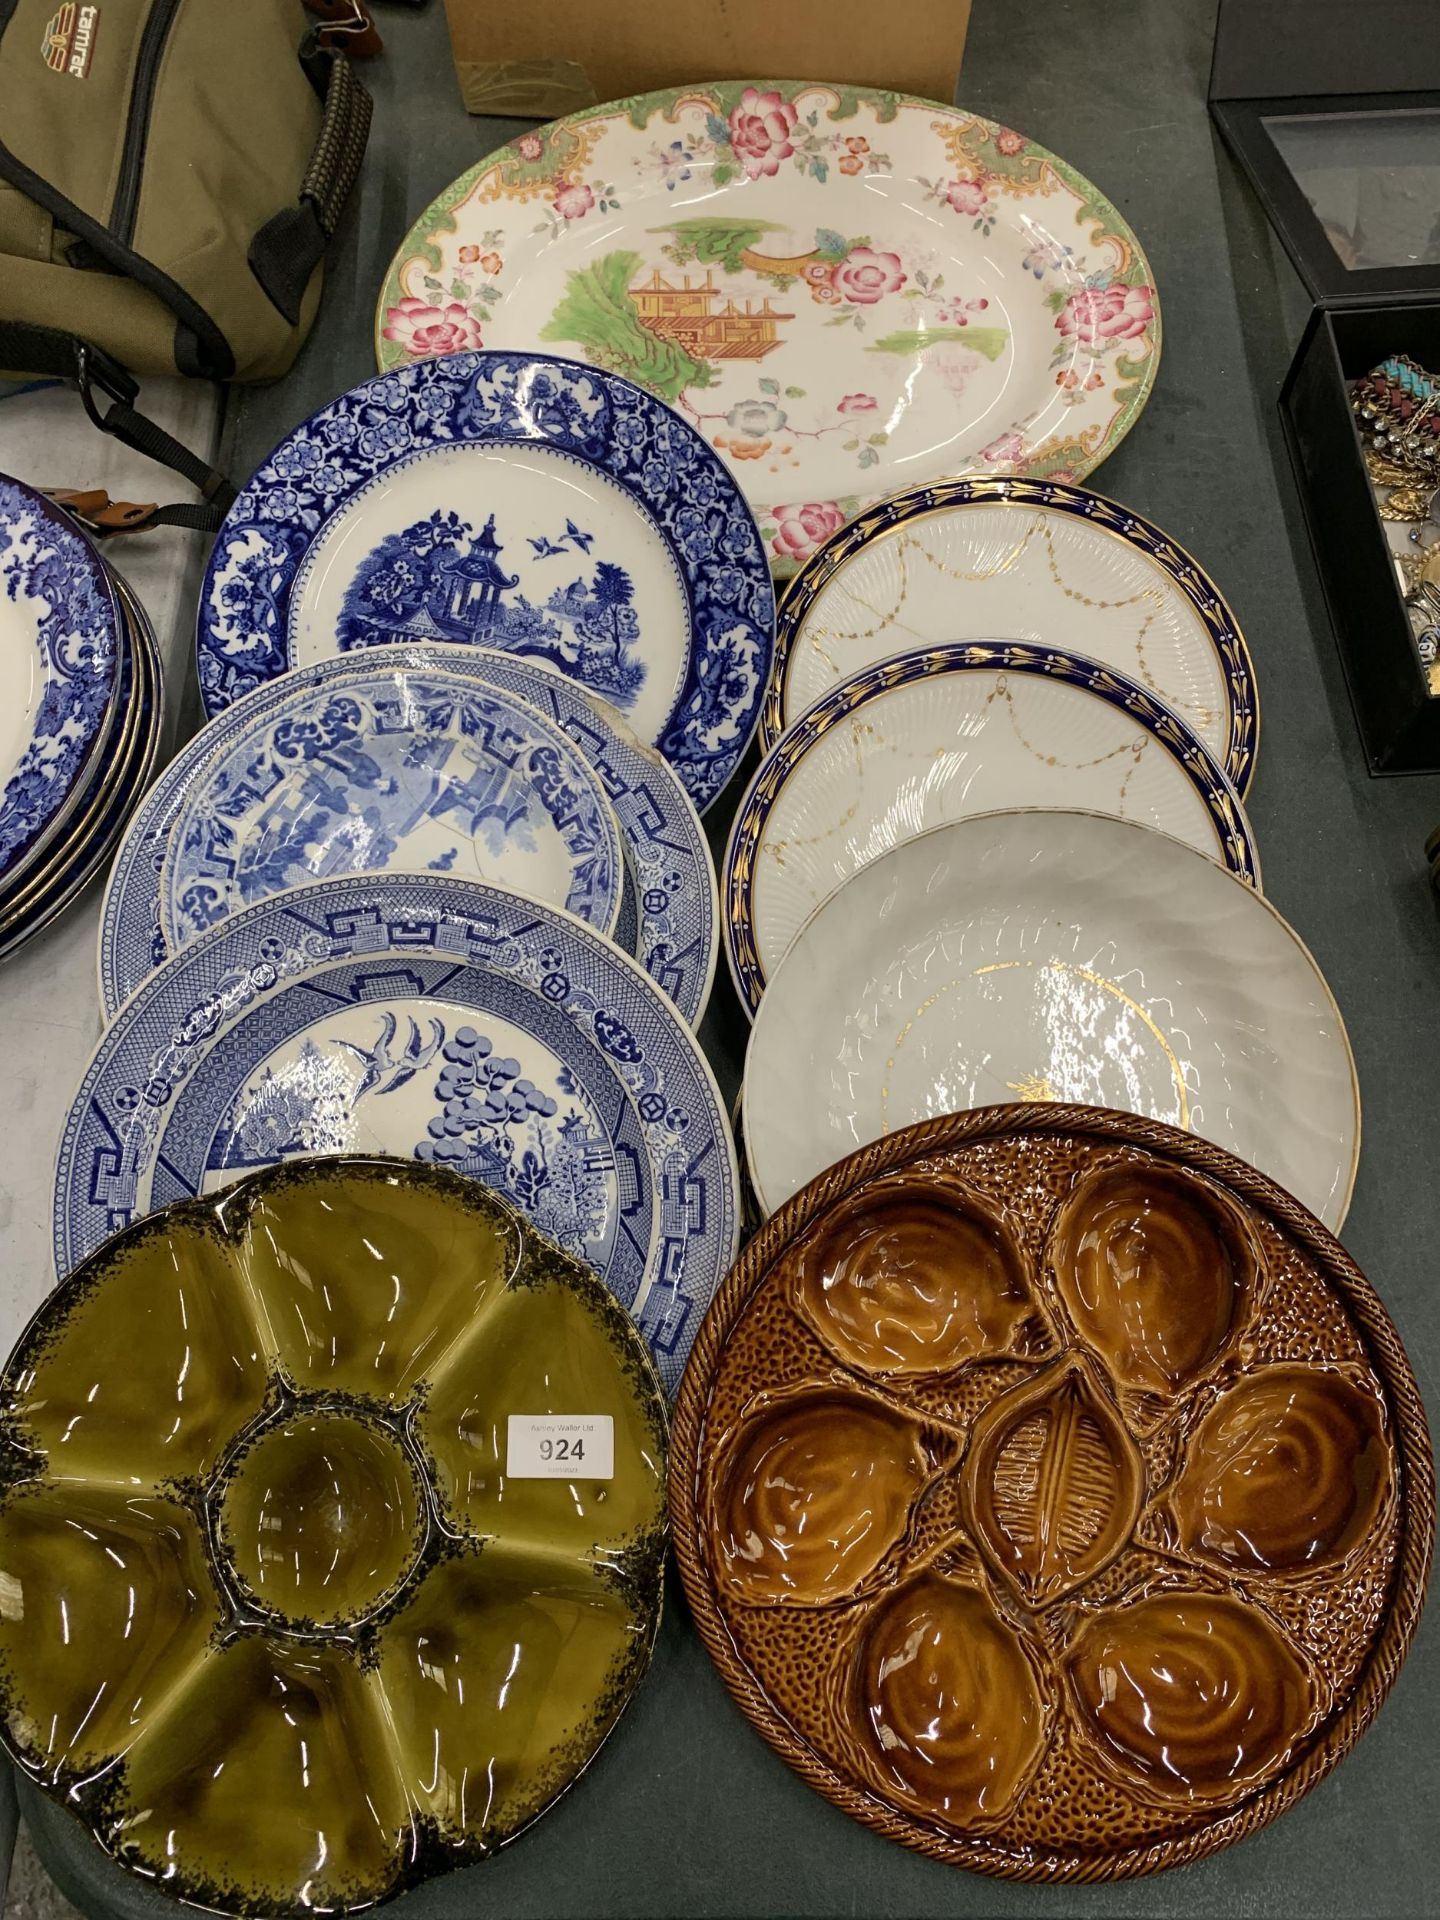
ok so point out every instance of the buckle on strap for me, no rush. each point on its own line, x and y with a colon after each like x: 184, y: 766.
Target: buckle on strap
x: 95, y: 370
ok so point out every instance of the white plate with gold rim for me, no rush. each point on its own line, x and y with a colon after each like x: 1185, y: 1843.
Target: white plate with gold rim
x: 937, y: 735
x: 1049, y: 563
x: 1051, y: 956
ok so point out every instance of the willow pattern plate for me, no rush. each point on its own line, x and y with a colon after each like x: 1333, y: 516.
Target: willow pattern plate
x: 930, y: 737
x: 1045, y: 562
x: 391, y: 768
x: 60, y: 629
x: 1051, y: 956
x: 840, y: 287
x: 669, y: 914
x: 427, y: 1018
x: 512, y: 501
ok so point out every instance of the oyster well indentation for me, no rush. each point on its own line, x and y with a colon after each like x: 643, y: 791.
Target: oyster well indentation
x: 1287, y: 1469
x: 1156, y: 1268
x: 945, y: 1708
x: 912, y: 1277
x: 1191, y: 1696
x: 1052, y: 1481
x: 811, y: 1495
x: 321, y: 1518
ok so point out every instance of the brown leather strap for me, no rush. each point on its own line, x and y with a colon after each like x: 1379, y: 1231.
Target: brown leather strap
x: 104, y: 518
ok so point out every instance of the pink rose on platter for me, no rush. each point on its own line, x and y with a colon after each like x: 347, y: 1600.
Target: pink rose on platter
x: 760, y: 130
x: 865, y: 276
x: 530, y: 146
x: 1004, y: 451
x: 1096, y: 315
x: 967, y: 196
x: 858, y: 403
x: 424, y: 331
x: 799, y: 529
x: 574, y: 202
x: 1009, y: 142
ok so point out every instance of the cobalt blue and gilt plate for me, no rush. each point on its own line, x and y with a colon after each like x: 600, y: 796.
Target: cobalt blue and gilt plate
x: 431, y: 1018
x: 59, y: 670
x: 553, y: 511
x: 388, y: 766
x: 669, y: 912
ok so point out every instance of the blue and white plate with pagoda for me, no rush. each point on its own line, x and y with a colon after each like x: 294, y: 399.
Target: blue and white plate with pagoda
x: 669, y: 916
x: 530, y: 504
x: 60, y: 626
x: 431, y: 1018
x: 389, y: 766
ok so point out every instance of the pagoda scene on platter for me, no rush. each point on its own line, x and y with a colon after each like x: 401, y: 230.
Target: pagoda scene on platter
x: 440, y: 579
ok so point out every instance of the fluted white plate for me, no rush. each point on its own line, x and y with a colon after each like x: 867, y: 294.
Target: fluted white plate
x: 937, y: 735
x: 1051, y: 955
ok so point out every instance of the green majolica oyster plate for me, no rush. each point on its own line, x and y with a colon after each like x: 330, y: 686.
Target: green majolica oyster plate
x: 331, y: 1534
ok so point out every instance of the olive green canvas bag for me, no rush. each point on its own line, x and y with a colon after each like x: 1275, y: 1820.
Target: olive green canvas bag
x: 170, y: 174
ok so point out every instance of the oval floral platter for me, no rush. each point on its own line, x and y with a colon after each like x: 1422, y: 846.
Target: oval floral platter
x: 670, y: 915
x: 841, y: 288
x: 430, y: 1018
x: 515, y: 501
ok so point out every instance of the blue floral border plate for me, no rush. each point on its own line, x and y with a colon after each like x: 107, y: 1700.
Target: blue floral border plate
x: 670, y: 913
x: 433, y: 1018
x: 56, y: 600
x: 443, y: 578
x: 119, y: 775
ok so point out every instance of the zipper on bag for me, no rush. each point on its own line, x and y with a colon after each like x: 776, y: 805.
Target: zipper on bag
x: 137, y: 130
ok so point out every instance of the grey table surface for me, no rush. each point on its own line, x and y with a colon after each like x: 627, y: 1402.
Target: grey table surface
x: 686, y: 1811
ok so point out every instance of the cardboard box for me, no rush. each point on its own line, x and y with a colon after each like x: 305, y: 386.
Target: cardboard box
x: 539, y: 62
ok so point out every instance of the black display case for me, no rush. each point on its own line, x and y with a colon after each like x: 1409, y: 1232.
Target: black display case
x: 1332, y: 108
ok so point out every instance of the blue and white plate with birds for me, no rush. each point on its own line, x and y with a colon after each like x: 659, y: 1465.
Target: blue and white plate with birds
x: 431, y: 1018
x: 514, y: 501
x: 389, y: 766
x: 669, y: 915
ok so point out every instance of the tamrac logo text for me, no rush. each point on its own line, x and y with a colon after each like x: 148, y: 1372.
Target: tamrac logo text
x: 70, y: 40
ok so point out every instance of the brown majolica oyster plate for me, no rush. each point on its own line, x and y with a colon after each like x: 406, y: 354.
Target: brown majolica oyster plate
x: 1053, y: 1492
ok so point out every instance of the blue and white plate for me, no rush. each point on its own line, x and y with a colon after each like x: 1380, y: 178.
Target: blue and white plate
x: 59, y: 669
x: 669, y: 914
x: 115, y: 787
x: 391, y: 767
x: 432, y: 1018
x: 514, y: 501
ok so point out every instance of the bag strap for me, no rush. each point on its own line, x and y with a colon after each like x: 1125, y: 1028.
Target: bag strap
x: 288, y: 248
x: 96, y: 375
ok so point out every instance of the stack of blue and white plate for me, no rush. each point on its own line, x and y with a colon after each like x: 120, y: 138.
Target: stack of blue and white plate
x: 477, y: 642
x: 80, y: 711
